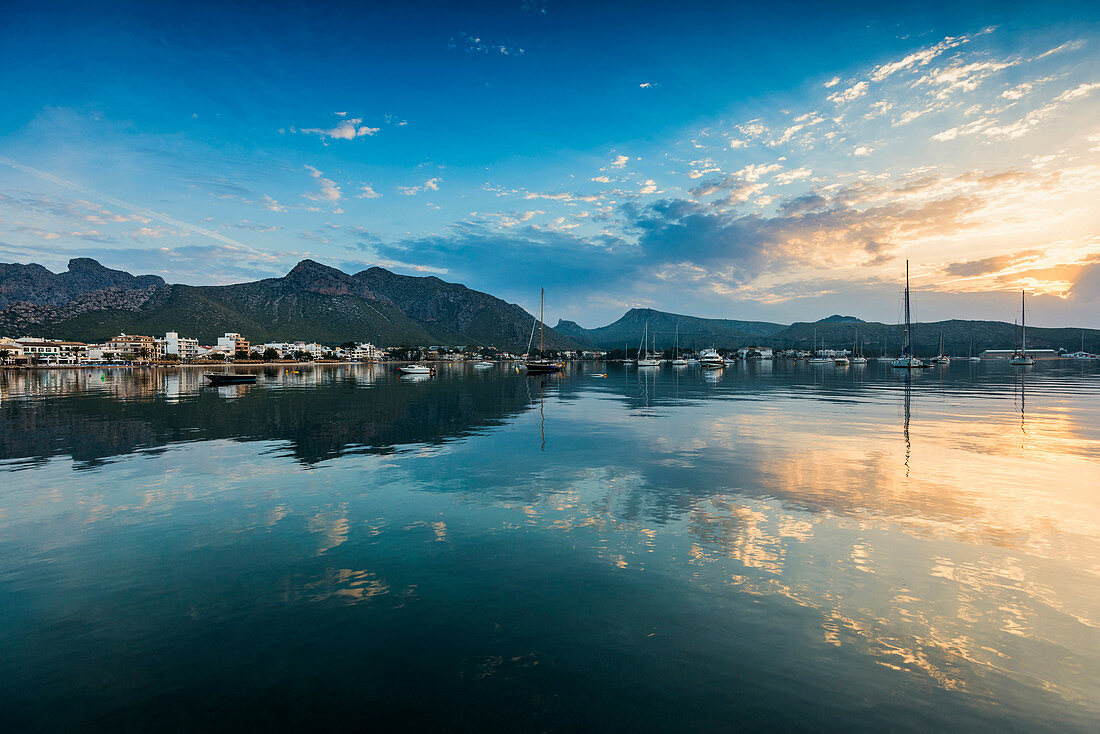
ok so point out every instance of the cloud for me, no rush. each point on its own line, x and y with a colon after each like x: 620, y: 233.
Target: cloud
x: 432, y: 184
x: 346, y: 129
x: 853, y: 92
x: 329, y: 189
x: 862, y: 151
x: 474, y: 44
x: 367, y: 192
x: 917, y: 58
x: 619, y: 161
x: 649, y: 187
x: 646, y: 85
x: 832, y: 82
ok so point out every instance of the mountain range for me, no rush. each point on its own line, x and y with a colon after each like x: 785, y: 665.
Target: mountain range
x: 312, y: 302
x: 315, y: 302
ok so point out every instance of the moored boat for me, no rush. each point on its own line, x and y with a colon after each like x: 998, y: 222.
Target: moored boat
x: 228, y: 378
x: 416, y: 369
x: 1022, y: 358
x: 906, y: 360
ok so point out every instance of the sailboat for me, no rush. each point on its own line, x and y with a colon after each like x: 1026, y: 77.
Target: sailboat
x: 814, y: 358
x: 971, y: 357
x: 677, y: 358
x: 626, y: 355
x: 941, y: 358
x: 1021, y: 357
x: 1082, y: 354
x: 883, y: 357
x: 541, y: 365
x: 645, y: 359
x: 907, y: 360
x: 857, y: 357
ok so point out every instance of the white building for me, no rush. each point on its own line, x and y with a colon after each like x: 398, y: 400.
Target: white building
x: 44, y: 351
x: 181, y: 346
x: 363, y: 352
x: 755, y: 353
x: 231, y: 343
x: 14, y: 351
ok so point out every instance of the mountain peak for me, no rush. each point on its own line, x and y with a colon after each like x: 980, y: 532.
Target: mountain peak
x: 838, y: 319
x: 310, y: 275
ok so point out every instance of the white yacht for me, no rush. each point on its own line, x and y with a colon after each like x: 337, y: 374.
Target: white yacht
x: 711, y: 359
x: 815, y: 358
x: 416, y: 369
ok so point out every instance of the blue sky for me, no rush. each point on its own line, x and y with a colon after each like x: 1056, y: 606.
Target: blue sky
x: 777, y: 162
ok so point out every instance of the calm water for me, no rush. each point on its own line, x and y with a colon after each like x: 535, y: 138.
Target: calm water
x: 775, y: 547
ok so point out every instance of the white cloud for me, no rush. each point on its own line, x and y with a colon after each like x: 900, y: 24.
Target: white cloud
x: 1067, y: 46
x: 1082, y: 90
x: 367, y: 192
x: 432, y: 184
x: 649, y: 187
x: 646, y: 85
x: 863, y: 151
x: 347, y: 129
x: 855, y: 91
x: 272, y: 205
x: 790, y: 176
x: 917, y: 58
x: 330, y: 190
x: 620, y: 161
x: 832, y: 82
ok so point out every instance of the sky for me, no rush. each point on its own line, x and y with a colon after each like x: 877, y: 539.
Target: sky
x: 777, y: 161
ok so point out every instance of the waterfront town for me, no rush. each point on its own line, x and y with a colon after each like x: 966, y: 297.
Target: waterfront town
x: 172, y: 348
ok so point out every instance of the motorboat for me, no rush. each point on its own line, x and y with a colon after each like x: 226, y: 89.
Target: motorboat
x: 710, y: 359
x: 842, y: 360
x: 483, y: 366
x: 228, y: 378
x: 416, y: 369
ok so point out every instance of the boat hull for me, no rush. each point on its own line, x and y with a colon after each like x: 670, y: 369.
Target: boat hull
x: 224, y: 379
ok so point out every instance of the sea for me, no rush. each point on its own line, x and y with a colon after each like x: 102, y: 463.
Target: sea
x: 774, y: 546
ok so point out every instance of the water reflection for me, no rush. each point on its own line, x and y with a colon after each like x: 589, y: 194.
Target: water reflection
x: 678, y: 539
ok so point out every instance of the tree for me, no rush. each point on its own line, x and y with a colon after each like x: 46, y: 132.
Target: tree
x: 144, y: 353
x: 271, y: 353
x: 240, y: 355
x: 4, y: 354
x: 348, y: 345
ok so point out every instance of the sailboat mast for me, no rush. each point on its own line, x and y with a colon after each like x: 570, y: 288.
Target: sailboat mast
x: 542, y: 316
x: 907, y: 348
x: 1023, y: 325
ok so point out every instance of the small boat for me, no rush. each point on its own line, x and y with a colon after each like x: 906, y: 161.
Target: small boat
x: 645, y: 358
x: 1022, y: 358
x: 227, y: 378
x: 971, y: 357
x: 710, y: 359
x: 857, y: 356
x: 814, y: 358
x: 842, y: 360
x: 483, y: 366
x: 416, y: 369
x: 678, y: 359
x: 941, y: 358
x: 540, y: 366
x: 907, y: 361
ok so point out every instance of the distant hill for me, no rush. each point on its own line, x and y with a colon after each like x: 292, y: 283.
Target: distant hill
x: 958, y: 336
x: 693, y: 331
x: 312, y: 302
